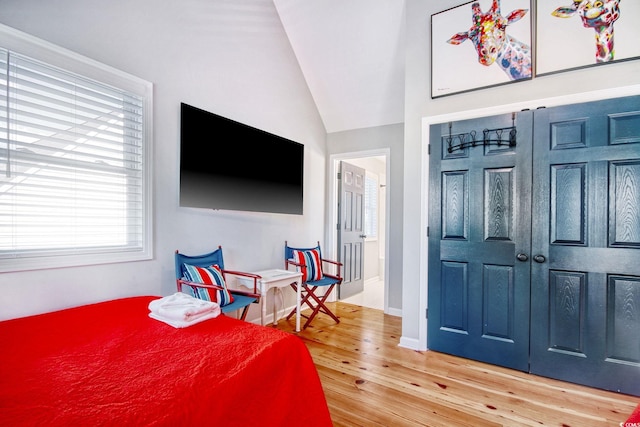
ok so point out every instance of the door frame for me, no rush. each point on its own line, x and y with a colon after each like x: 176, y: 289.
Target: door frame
x: 427, y: 121
x: 333, y: 186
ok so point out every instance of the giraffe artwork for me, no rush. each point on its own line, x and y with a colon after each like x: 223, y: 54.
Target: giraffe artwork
x: 599, y: 15
x: 493, y: 44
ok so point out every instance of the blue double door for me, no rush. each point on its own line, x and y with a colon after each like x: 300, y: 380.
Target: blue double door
x: 534, y: 242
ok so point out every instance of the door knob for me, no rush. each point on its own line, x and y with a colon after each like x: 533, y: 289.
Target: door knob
x: 522, y: 257
x: 362, y: 236
x: 539, y: 258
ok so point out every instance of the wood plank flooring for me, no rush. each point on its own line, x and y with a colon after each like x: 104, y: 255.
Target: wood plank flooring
x: 370, y: 381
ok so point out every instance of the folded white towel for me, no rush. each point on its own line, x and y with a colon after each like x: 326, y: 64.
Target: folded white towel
x: 177, y: 323
x: 182, y: 307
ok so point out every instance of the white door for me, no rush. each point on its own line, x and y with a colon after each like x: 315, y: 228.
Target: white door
x: 351, y: 229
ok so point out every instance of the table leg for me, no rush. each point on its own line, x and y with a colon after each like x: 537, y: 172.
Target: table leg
x: 298, y: 299
x: 263, y: 306
x: 275, y: 305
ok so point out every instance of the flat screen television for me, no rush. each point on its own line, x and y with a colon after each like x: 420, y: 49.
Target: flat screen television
x: 228, y: 165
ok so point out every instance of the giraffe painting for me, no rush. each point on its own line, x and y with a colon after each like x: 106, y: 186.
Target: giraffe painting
x: 493, y: 44
x: 599, y: 15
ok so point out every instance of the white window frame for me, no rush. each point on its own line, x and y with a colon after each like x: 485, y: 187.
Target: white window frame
x: 53, y: 55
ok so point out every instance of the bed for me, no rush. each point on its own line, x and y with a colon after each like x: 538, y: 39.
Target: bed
x: 634, y: 418
x: 111, y: 364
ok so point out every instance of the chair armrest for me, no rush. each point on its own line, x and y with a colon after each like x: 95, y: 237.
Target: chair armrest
x: 255, y: 278
x: 292, y: 262
x: 330, y: 261
x: 337, y: 265
x: 244, y: 274
x: 246, y: 293
x: 181, y: 282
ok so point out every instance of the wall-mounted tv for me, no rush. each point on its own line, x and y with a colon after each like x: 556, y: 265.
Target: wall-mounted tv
x: 228, y: 165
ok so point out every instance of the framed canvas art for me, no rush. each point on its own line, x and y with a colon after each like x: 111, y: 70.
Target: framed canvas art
x: 480, y: 44
x: 572, y: 34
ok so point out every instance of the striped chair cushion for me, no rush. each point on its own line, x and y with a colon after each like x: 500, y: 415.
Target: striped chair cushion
x: 209, y: 276
x: 311, y: 262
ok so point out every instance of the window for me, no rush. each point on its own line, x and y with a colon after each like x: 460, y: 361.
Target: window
x: 371, y: 206
x: 73, y: 167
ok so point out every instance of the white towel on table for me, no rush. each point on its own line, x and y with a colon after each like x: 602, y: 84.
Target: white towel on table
x: 182, y: 309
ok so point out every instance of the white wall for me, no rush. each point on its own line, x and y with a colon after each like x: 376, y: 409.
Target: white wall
x: 231, y: 58
x: 419, y: 105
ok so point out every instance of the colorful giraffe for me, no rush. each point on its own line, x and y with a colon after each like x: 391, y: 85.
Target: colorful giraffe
x: 599, y: 15
x: 493, y: 44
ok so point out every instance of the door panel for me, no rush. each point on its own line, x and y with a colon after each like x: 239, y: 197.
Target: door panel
x: 586, y: 225
x: 624, y: 230
x: 478, y: 291
x: 351, y: 231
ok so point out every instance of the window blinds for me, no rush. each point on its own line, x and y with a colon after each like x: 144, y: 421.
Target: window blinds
x: 71, y: 162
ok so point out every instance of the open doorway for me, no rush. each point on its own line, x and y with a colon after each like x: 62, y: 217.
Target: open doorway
x: 375, y: 271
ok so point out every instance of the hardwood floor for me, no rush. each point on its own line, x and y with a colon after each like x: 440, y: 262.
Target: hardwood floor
x: 370, y: 381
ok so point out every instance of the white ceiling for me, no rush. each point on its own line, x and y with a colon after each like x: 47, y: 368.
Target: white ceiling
x: 351, y: 54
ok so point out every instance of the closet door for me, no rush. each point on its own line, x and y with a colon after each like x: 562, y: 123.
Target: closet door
x: 479, y: 240
x: 585, y: 270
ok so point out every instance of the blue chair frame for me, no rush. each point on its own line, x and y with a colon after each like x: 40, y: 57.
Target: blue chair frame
x: 241, y: 299
x: 327, y: 282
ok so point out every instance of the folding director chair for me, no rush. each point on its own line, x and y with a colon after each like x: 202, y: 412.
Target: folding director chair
x: 309, y: 261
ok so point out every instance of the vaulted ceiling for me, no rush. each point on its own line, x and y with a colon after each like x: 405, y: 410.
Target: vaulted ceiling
x: 352, y: 56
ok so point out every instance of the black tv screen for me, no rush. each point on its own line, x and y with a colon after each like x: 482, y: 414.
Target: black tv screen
x: 228, y: 165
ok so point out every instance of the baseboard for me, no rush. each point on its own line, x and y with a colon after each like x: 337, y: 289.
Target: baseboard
x: 410, y: 343
x: 397, y: 312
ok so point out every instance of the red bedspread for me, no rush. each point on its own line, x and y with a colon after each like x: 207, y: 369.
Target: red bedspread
x: 634, y: 418
x: 110, y: 364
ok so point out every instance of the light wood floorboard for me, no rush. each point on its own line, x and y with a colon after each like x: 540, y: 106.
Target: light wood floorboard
x: 369, y: 380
